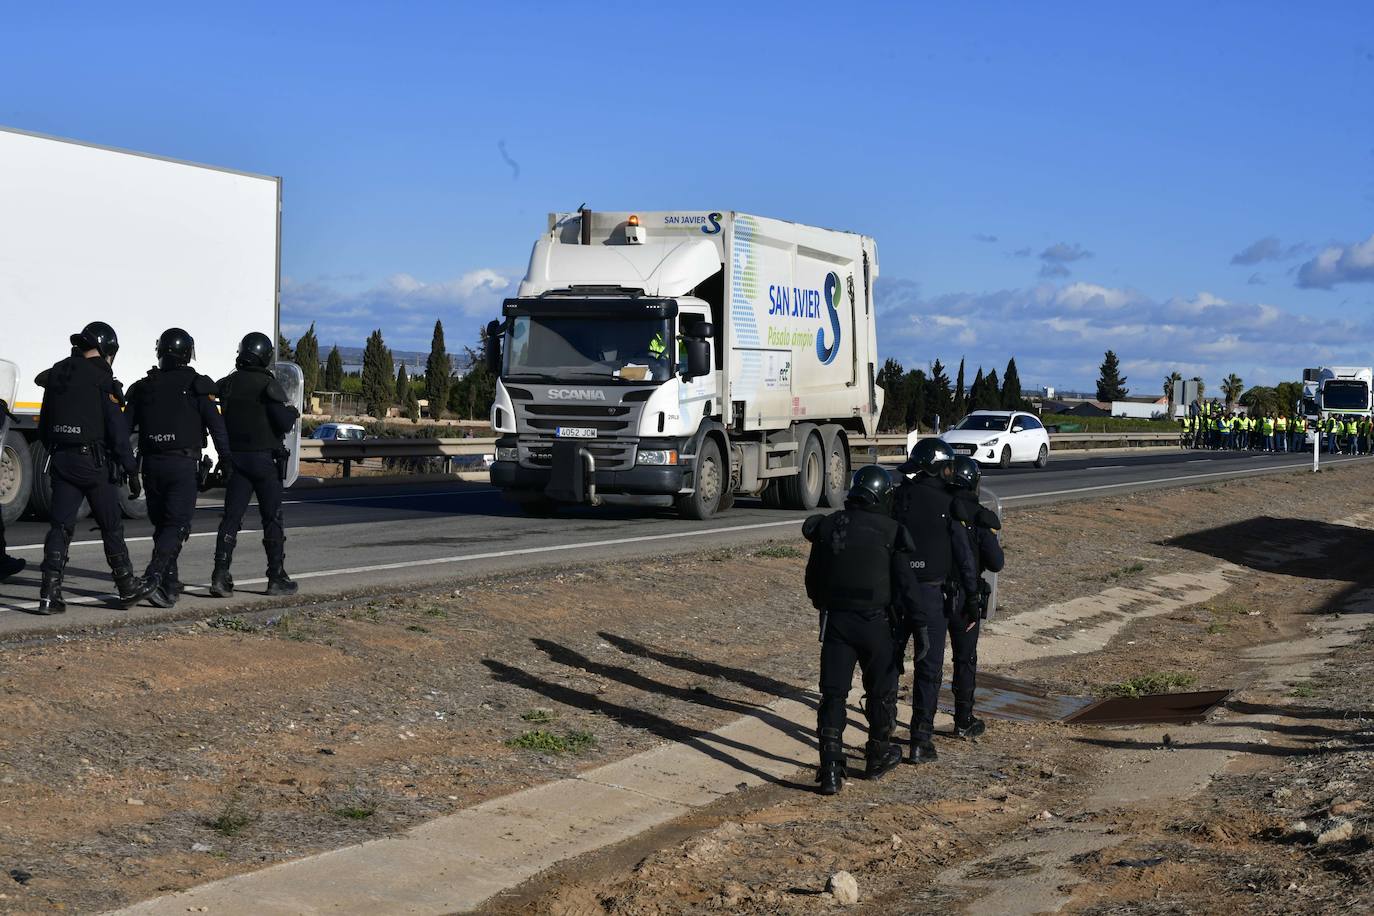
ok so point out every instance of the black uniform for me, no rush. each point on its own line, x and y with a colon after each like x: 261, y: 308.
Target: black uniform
x: 980, y: 527
x: 941, y: 551
x: 858, y: 571
x: 257, y: 416
x: 83, y: 427
x: 172, y: 409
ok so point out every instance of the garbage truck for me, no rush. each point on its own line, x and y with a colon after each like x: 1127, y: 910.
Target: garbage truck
x: 139, y: 241
x: 697, y: 355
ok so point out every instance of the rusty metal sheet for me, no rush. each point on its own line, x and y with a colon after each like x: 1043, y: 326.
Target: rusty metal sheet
x: 1018, y: 701
x: 1163, y: 708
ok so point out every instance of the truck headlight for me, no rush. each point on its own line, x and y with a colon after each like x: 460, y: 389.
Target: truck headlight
x: 990, y: 442
x: 508, y: 454
x: 657, y: 456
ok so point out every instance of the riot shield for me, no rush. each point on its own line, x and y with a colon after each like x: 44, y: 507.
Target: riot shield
x: 990, y: 500
x: 9, y: 386
x: 292, y: 381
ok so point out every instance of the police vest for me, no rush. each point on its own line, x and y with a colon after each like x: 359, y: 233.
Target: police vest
x: 164, y: 407
x: 923, y: 507
x: 243, y: 398
x: 850, y: 567
x: 72, y: 411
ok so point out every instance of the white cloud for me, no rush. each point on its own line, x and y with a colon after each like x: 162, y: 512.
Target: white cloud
x: 1352, y: 263
x: 1058, y: 334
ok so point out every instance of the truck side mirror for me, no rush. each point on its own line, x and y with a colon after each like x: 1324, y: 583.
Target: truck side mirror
x: 492, y: 349
x: 698, y: 358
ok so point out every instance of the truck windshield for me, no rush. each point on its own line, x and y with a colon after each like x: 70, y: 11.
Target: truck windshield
x: 984, y: 422
x: 555, y: 348
x: 1345, y: 395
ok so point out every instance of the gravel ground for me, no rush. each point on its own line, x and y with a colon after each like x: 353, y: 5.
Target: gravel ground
x: 148, y: 761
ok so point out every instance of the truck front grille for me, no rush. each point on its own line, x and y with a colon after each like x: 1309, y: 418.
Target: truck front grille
x: 615, y: 425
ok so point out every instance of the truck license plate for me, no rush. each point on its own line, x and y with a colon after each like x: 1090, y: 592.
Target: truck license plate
x: 576, y: 432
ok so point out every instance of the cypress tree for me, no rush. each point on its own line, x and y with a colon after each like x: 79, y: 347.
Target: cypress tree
x: 975, y: 390
x: 308, y: 358
x: 895, y: 397
x: 333, y: 370
x: 960, y: 400
x: 438, y: 371
x: 402, y: 386
x: 378, y: 384
x: 939, y: 396
x: 1011, y: 387
x: 991, y: 397
x: 284, y: 352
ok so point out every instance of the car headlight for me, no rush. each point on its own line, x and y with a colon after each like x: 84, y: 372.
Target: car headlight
x: 657, y: 456
x: 992, y: 441
x: 508, y: 454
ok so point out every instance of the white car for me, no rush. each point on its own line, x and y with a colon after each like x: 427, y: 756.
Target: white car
x: 1001, y: 437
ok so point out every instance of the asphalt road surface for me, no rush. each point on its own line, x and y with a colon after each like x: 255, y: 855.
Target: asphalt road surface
x: 350, y: 540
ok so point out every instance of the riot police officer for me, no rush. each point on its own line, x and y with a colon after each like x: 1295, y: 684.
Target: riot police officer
x: 82, y: 425
x: 923, y: 505
x: 856, y: 576
x: 9, y: 566
x: 257, y: 415
x: 966, y: 610
x: 171, y: 408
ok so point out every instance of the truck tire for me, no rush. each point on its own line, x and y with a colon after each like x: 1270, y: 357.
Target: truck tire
x: 836, y: 472
x: 40, y: 497
x: 772, y: 494
x: 709, y: 480
x: 803, y: 489
x: 16, y: 476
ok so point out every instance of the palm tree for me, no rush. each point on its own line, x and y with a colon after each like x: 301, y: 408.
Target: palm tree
x: 1231, y: 387
x: 1174, y: 378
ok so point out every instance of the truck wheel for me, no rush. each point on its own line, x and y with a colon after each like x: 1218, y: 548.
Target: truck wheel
x: 16, y: 476
x: 709, y: 482
x: 772, y: 494
x: 803, y: 489
x: 836, y: 473
x: 1044, y: 457
x: 1005, y: 461
x: 40, y: 497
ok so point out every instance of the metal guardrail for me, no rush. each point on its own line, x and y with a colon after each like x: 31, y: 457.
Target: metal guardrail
x: 352, y: 450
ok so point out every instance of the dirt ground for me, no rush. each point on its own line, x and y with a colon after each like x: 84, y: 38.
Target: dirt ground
x: 152, y: 760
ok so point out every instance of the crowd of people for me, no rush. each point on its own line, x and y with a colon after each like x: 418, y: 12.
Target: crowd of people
x: 1214, y: 427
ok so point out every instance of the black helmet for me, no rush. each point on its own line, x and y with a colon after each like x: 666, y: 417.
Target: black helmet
x: 255, y: 350
x: 928, y: 457
x: 175, y: 348
x: 97, y: 336
x: 965, y: 473
x: 871, y: 486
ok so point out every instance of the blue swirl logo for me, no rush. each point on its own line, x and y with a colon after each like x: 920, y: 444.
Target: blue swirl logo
x: 715, y: 224
x: 832, y: 303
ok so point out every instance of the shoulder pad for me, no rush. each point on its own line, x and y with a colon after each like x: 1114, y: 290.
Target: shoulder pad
x: 275, y: 392
x: 114, y: 386
x: 811, y: 526
x: 203, y: 384
x: 41, y: 380
x: 988, y: 519
x: 964, y: 510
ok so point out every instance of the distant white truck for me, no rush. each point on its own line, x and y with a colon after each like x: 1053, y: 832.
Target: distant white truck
x: 141, y: 242
x: 1344, y: 389
x: 691, y: 354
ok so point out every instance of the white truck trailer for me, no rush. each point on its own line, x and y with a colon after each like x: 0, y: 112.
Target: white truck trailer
x: 691, y: 354
x: 141, y: 242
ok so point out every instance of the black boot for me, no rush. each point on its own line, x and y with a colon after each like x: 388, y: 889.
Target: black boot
x: 172, y: 585
x: 50, y: 600
x: 132, y: 589
x: 158, y: 576
x: 278, y: 582
x: 922, y: 749
x: 221, y: 583
x: 969, y: 726
x: 10, y: 566
x: 880, y: 753
x: 831, y: 773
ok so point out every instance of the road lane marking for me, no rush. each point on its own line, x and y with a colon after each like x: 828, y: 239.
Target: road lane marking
x: 1133, y: 483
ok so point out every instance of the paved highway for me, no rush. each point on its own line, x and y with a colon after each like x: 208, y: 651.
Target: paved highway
x: 387, y: 537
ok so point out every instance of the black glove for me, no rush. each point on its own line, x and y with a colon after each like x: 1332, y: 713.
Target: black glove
x: 135, y: 486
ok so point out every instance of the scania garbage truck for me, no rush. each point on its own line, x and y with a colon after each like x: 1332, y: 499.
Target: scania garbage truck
x: 1344, y: 389
x: 699, y: 355
x: 139, y: 241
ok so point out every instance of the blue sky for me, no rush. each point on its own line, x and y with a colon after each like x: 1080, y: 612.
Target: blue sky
x: 1191, y: 184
